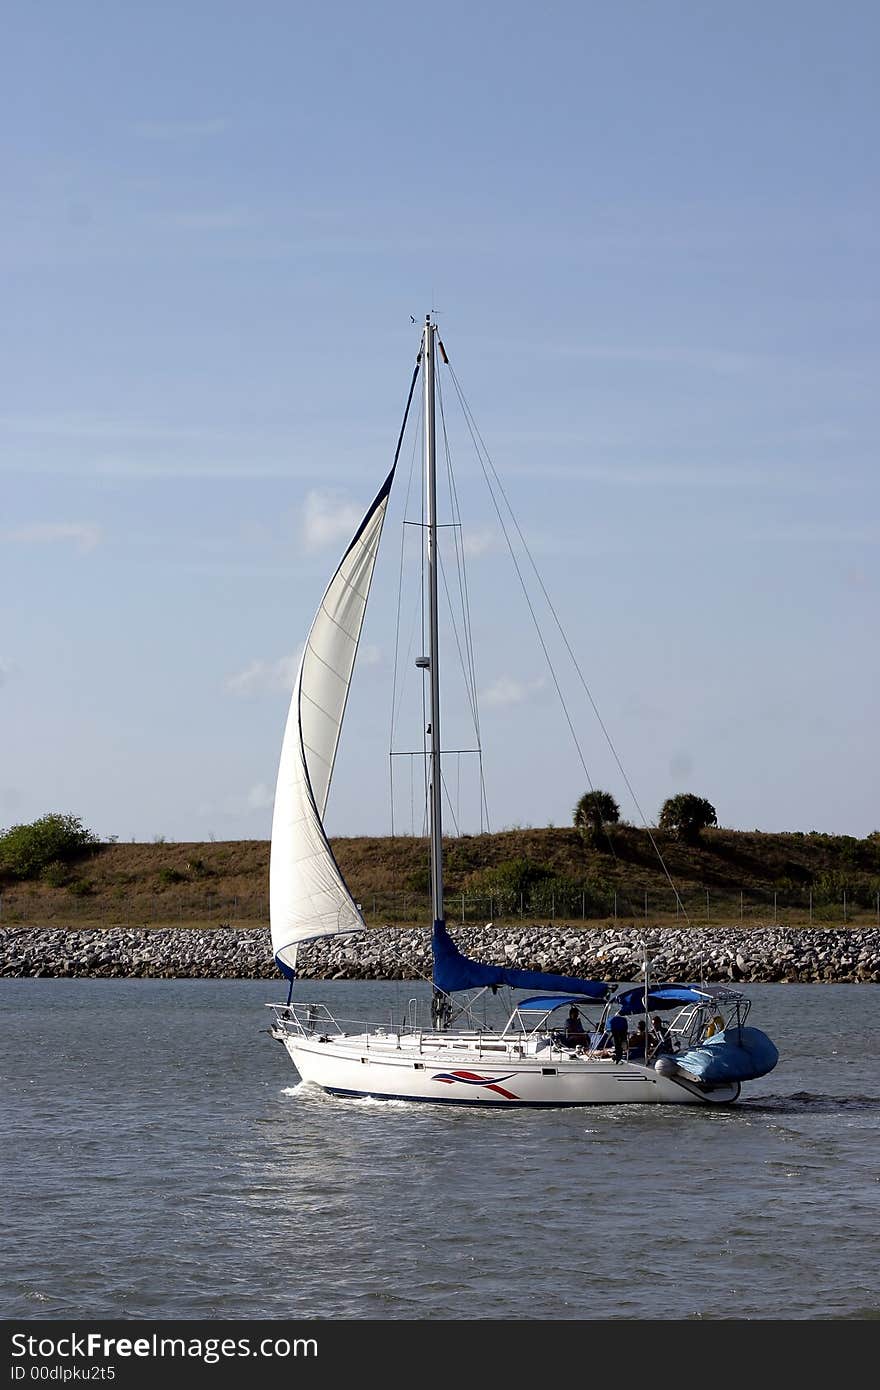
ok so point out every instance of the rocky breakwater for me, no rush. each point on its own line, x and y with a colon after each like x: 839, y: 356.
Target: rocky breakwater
x: 723, y: 955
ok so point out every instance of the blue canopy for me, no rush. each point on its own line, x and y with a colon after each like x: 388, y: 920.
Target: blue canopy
x: 453, y: 971
x: 632, y: 1001
x: 539, y: 1003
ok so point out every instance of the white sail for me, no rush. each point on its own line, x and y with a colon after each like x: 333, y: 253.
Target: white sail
x: 308, y: 896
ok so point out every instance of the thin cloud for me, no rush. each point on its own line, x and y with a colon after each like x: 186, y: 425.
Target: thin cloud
x: 480, y: 540
x: 259, y: 797
x: 507, y: 691
x: 264, y: 677
x: 719, y: 360
x: 327, y: 518
x: 245, y: 467
x: 711, y: 477
x: 180, y: 130
x: 809, y: 532
x: 698, y: 357
x: 84, y: 534
x: 114, y: 447
x: 255, y: 533
x: 216, y: 220
x: 94, y: 427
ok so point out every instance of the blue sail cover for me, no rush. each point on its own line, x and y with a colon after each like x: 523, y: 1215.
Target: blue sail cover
x: 632, y: 1001
x: 453, y: 971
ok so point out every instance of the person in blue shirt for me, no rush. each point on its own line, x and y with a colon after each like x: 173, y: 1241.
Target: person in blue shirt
x: 619, y: 1035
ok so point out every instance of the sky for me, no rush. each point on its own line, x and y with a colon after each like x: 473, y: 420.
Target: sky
x: 649, y: 234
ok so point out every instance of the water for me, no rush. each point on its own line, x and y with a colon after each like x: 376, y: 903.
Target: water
x: 161, y: 1160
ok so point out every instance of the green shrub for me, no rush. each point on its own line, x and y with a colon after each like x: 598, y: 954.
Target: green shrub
x: 419, y: 881
x: 520, y: 883
x: 508, y: 881
x: 26, y: 849
x: 830, y: 886
x: 790, y: 891
x: 169, y: 876
x: 564, y: 897
x: 55, y: 874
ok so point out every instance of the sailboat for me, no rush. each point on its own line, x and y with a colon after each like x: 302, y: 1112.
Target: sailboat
x: 701, y: 1056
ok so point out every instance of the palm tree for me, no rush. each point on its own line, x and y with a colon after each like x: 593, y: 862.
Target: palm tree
x: 686, y: 815
x: 594, y: 812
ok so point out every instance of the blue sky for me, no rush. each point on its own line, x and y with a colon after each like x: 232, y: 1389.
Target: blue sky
x: 649, y: 231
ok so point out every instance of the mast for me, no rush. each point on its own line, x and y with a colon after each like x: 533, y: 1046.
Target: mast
x: 436, y: 786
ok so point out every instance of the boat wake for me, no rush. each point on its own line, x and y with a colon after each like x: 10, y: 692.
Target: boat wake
x: 809, y: 1103
x: 374, y: 1100
x: 307, y: 1090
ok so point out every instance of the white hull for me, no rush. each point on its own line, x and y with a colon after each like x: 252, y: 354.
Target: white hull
x: 450, y: 1069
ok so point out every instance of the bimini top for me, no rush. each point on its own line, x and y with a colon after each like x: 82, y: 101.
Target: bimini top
x: 632, y: 1001
x: 542, y: 1003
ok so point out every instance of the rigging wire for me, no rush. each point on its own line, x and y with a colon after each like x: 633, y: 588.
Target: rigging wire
x: 462, y: 632
x: 454, y: 626
x: 449, y: 803
x: 458, y: 534
x: 412, y: 387
x: 409, y: 651
x: 483, y: 802
x: 482, y: 452
x: 469, y: 677
x: 475, y: 436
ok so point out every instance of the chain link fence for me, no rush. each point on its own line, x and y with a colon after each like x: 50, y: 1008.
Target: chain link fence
x: 697, y: 907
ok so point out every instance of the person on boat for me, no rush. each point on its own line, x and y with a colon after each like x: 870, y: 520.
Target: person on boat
x: 638, y: 1042
x: 619, y: 1031
x: 575, y: 1033
x: 660, y: 1039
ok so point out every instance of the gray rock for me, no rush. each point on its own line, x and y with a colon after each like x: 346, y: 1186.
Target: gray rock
x: 770, y: 953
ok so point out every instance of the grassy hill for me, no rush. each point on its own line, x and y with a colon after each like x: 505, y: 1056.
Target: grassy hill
x: 533, y: 875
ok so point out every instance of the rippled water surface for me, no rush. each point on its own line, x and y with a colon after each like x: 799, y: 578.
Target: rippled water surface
x: 162, y: 1160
